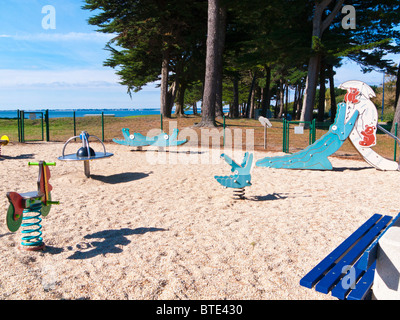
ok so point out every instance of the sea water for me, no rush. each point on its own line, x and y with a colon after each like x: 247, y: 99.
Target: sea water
x: 68, y: 113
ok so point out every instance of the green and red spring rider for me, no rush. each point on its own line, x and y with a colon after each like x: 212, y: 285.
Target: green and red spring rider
x: 26, y: 209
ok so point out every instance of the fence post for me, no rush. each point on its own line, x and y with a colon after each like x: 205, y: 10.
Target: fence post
x: 47, y: 125
x: 102, y: 126
x: 74, y: 124
x: 22, y: 127
x: 284, y: 136
x: 19, y: 125
x: 42, y: 128
x: 314, y: 131
x: 287, y: 135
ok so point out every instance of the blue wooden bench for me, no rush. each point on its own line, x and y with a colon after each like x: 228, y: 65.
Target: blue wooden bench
x: 348, y: 271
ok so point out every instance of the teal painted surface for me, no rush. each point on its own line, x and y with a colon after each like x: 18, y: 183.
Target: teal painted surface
x: 315, y: 156
x: 241, y: 173
x: 139, y: 140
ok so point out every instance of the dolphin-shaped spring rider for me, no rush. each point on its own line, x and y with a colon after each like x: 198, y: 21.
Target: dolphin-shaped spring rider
x: 316, y: 155
x: 241, y: 177
x: 139, y: 140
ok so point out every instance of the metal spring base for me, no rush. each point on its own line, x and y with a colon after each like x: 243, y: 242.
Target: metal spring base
x: 33, y: 240
x: 239, y: 194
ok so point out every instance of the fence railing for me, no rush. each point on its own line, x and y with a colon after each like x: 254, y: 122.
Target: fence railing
x: 39, y: 126
x: 45, y: 124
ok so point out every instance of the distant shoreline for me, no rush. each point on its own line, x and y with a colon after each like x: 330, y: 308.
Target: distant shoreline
x: 69, y: 113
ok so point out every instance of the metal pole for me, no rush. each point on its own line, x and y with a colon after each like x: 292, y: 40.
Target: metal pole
x: 287, y: 135
x: 42, y: 127
x: 389, y: 133
x: 19, y: 125
x: 86, y: 167
x: 102, y: 126
x: 284, y: 136
x: 22, y: 127
x: 265, y: 137
x: 74, y: 125
x: 47, y: 125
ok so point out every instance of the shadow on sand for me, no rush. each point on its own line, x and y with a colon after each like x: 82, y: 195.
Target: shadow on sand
x: 112, y: 241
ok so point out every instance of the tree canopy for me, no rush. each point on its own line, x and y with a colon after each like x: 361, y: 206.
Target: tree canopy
x: 261, y: 49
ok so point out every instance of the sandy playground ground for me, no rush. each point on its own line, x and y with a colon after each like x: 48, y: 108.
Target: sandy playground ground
x: 143, y: 227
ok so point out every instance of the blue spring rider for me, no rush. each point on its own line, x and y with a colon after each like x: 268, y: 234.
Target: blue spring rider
x: 241, y: 177
x: 26, y: 210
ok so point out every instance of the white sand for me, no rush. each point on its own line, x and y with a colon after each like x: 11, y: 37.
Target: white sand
x: 137, y: 230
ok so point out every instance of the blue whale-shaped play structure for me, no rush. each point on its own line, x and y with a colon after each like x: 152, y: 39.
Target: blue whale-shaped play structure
x: 139, y: 140
x: 316, y: 155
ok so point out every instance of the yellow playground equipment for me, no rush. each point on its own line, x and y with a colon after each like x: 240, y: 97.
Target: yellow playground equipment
x: 4, y: 140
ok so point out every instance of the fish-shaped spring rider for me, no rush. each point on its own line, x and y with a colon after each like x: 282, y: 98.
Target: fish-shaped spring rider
x: 241, y: 177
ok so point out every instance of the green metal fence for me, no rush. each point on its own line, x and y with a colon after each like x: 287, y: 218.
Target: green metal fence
x: 310, y: 125
x: 44, y: 128
x: 45, y: 124
x: 32, y: 115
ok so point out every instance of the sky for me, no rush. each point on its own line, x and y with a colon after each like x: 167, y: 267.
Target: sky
x: 51, y: 58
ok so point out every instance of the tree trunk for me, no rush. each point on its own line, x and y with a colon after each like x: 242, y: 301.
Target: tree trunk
x: 286, y: 99
x: 164, y: 86
x: 295, y: 102
x: 300, y: 102
x: 179, y: 109
x: 266, y: 96
x: 319, y: 26
x: 281, y: 98
x: 397, y: 88
x: 277, y: 102
x: 221, y: 44
x: 247, y: 115
x: 309, y: 93
x: 332, y: 92
x: 171, y: 94
x: 397, y: 104
x: 235, y: 105
x: 252, y: 103
x: 212, y: 74
x: 396, y: 118
x: 322, y: 91
x: 178, y: 91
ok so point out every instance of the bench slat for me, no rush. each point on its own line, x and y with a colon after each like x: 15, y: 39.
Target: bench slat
x: 369, y: 256
x: 311, y: 278
x: 363, y: 286
x: 340, y: 291
x: 331, y: 278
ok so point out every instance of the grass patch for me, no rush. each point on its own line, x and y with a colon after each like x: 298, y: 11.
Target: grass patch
x: 61, y: 129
